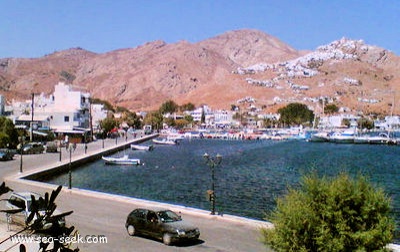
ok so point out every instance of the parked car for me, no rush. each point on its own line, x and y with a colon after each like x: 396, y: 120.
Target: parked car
x: 52, y: 147
x: 23, y: 200
x: 161, y: 224
x: 32, y: 148
x: 6, y: 154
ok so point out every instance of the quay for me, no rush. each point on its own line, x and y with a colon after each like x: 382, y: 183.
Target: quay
x: 103, y: 214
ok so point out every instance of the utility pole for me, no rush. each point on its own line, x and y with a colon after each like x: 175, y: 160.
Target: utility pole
x: 31, y: 131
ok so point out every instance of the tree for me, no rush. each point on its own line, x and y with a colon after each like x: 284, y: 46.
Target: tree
x: 181, y: 123
x: 203, y: 116
x: 365, y: 123
x: 296, y: 114
x: 132, y: 119
x: 331, y: 109
x: 8, y: 133
x: 154, y: 118
x: 108, y: 124
x: 339, y: 214
x: 187, y: 107
x: 168, y: 107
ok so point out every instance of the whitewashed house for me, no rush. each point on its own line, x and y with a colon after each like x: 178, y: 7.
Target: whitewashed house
x: 98, y: 114
x: 67, y: 111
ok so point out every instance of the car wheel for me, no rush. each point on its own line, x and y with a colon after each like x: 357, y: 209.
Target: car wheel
x: 167, y: 239
x: 131, y: 230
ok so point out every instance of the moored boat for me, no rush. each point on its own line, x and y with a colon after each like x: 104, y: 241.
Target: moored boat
x: 142, y: 147
x: 319, y: 137
x: 125, y: 160
x: 164, y: 141
x: 381, y: 138
x: 346, y: 136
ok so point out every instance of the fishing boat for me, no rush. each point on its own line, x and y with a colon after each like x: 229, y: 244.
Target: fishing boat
x: 381, y: 138
x: 142, y: 147
x: 319, y: 137
x: 124, y: 160
x: 346, y: 136
x: 164, y: 141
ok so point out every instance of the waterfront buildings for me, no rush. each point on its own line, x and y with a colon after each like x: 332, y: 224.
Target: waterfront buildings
x: 65, y: 112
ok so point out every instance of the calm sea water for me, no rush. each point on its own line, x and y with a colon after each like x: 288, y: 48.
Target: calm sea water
x: 249, y: 179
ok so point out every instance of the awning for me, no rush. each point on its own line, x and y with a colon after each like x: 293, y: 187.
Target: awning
x: 39, y: 133
x: 69, y: 131
x: 37, y: 118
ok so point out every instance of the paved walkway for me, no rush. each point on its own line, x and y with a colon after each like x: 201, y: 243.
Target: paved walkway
x: 101, y: 214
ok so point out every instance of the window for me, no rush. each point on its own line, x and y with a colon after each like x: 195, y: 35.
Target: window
x: 66, y: 118
x: 17, y: 202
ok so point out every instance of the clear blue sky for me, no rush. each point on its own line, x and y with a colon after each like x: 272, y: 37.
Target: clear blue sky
x: 33, y: 28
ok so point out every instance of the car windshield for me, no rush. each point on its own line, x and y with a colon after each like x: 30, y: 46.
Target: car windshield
x: 168, y: 216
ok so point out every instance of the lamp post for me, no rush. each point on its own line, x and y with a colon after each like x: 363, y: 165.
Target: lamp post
x: 21, y: 140
x: 60, y: 145
x: 212, y: 163
x: 84, y: 142
x: 70, y: 147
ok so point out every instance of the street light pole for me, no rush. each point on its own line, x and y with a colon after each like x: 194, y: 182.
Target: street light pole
x: 60, y: 150
x: 21, y: 140
x: 71, y: 147
x: 212, y: 163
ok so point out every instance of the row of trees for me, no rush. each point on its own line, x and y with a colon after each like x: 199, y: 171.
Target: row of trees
x: 293, y: 114
x: 157, y: 119
x: 154, y: 118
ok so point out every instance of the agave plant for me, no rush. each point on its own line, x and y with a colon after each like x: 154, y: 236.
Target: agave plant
x: 43, y: 219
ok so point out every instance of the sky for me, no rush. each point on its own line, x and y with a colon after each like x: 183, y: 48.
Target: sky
x: 31, y: 29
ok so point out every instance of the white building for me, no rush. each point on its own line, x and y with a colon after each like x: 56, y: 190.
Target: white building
x: 222, y: 118
x: 98, y: 113
x: 67, y: 111
x: 336, y: 121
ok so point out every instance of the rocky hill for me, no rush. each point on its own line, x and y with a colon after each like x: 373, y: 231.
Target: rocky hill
x: 219, y: 71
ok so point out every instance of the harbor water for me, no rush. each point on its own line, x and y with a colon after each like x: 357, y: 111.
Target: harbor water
x: 251, y: 176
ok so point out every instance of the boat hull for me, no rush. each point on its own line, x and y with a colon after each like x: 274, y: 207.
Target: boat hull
x: 121, y: 161
x: 142, y: 147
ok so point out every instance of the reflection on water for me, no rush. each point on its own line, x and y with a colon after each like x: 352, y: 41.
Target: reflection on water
x: 251, y: 176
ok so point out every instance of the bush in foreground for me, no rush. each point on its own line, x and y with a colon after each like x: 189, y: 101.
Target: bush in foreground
x: 340, y: 214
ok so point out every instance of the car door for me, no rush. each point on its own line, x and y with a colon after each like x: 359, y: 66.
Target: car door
x: 138, y: 218
x: 17, y: 203
x: 152, y: 224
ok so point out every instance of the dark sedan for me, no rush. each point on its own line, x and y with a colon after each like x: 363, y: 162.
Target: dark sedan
x: 161, y: 224
x: 6, y: 155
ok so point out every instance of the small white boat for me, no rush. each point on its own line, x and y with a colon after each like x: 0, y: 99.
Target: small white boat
x: 142, y: 147
x: 125, y: 160
x: 346, y: 136
x: 382, y: 138
x: 164, y: 141
x: 319, y: 137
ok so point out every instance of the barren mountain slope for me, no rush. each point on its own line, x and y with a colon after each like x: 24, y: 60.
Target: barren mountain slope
x: 20, y: 77
x: 248, y: 47
x: 218, y: 71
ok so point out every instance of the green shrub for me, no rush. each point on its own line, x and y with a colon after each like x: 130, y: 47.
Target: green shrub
x: 340, y: 214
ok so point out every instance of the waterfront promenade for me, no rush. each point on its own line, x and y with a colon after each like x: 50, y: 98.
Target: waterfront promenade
x: 101, y: 214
